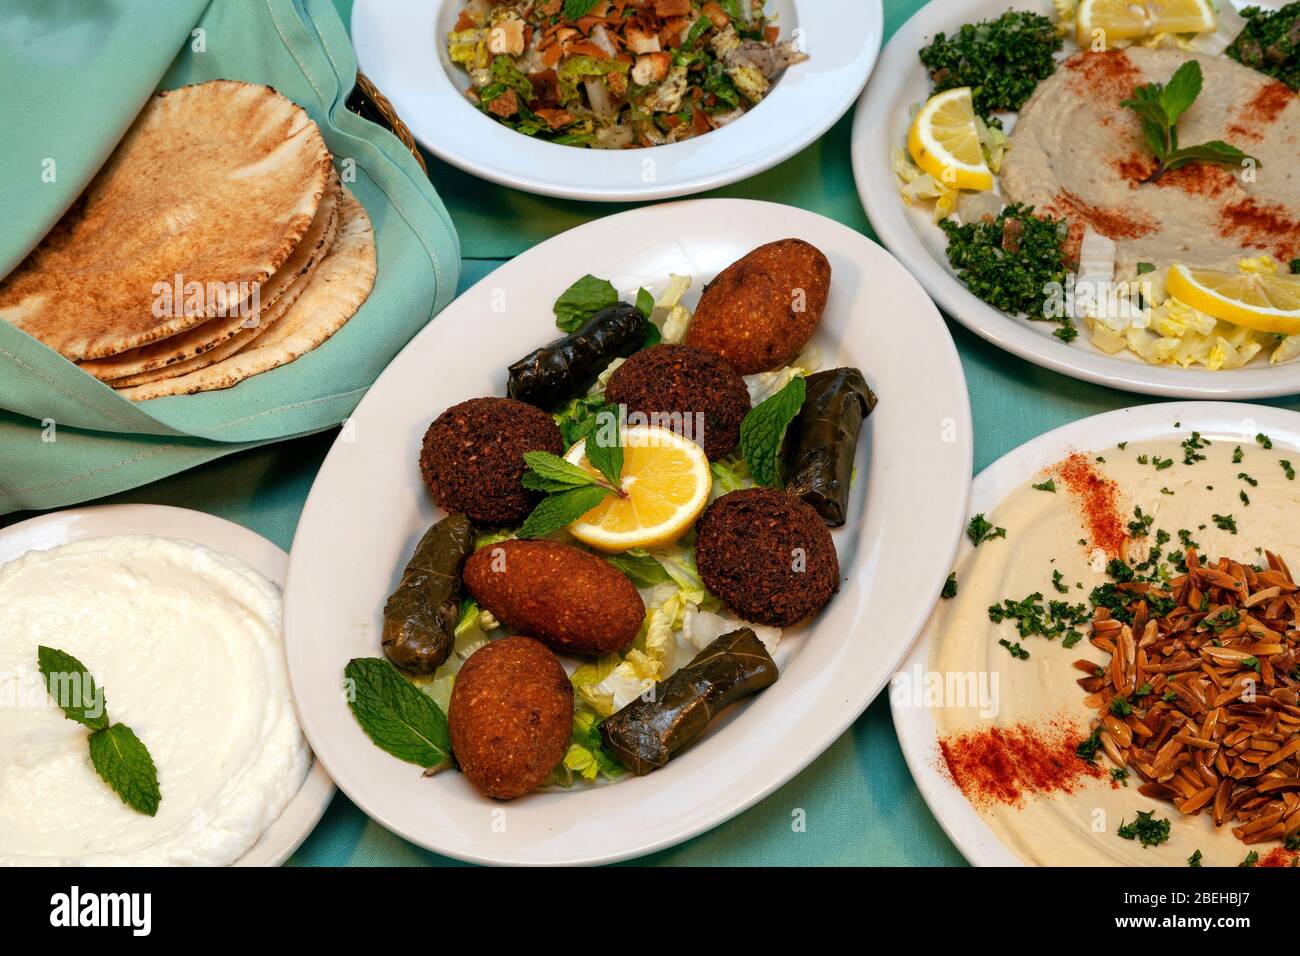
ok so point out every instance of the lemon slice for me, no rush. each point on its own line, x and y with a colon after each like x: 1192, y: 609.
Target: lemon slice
x: 945, y: 141
x: 1126, y: 20
x: 666, y: 484
x: 1264, y: 302
x: 1183, y: 16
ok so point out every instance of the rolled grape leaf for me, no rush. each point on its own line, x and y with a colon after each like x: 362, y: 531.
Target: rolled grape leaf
x: 420, y: 617
x: 569, y: 366
x: 823, y: 441
x: 645, y: 734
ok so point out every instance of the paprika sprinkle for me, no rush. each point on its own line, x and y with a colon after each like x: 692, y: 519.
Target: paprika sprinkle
x: 1006, y: 764
x: 1098, y: 496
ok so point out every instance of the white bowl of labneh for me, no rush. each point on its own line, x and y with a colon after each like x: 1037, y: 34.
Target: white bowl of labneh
x: 145, y: 710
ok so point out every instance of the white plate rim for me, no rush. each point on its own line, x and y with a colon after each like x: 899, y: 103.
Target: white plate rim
x: 876, y: 132
x: 326, y: 718
x: 493, y: 152
x: 304, y: 811
x: 915, y: 727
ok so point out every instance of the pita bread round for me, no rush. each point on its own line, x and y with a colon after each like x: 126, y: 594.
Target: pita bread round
x: 215, y: 183
x: 337, y: 290
x: 191, y: 343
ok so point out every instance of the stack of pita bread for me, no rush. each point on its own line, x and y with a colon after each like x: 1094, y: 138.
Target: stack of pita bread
x: 216, y: 243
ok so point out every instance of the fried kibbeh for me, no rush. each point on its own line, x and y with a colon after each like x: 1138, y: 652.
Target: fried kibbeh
x: 510, y: 716
x: 703, y: 397
x: 472, y: 459
x: 762, y: 309
x: 767, y: 555
x: 567, y: 598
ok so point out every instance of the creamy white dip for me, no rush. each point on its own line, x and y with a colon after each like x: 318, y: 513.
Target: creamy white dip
x: 186, y: 644
x: 1043, y: 534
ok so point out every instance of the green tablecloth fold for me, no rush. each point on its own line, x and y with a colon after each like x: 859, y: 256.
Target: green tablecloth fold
x: 75, y: 75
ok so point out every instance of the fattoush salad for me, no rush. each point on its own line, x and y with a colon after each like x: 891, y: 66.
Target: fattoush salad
x: 618, y: 74
x: 650, y: 504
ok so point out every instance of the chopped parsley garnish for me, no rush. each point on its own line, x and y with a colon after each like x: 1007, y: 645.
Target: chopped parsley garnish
x: 1144, y: 459
x: 1056, y: 619
x: 1245, y: 498
x: 1141, y: 524
x: 1286, y: 467
x: 1120, y: 707
x: 980, y: 530
x: 1013, y: 262
x: 1119, y: 775
x: 1264, y: 440
x: 1192, y: 449
x: 1088, y: 749
x: 1015, y: 650
x: 1251, y: 859
x: 1238, y: 454
x: 1253, y: 482
x: 1226, y: 522
x: 1058, y: 582
x: 949, y: 586
x: 1195, y: 859
x: 1163, y: 463
x: 1001, y: 60
x: 1048, y: 485
x: 1146, y: 829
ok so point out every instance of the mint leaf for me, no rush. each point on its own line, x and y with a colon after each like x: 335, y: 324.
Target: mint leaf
x: 582, y: 300
x: 557, y: 510
x: 395, y: 715
x: 645, y: 302
x: 1181, y: 91
x: 1215, y: 151
x: 573, y: 9
x: 72, y: 687
x: 604, y: 447
x: 549, y: 473
x: 764, y: 427
x: 124, y: 763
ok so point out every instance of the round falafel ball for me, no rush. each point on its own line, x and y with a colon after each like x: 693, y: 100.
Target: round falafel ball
x: 473, y: 457
x: 706, y: 396
x: 767, y: 555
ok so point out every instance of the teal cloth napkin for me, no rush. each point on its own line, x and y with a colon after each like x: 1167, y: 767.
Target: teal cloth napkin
x: 75, y: 76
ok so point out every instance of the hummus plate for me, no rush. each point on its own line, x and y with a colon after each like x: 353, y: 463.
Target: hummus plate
x: 881, y: 124
x: 1072, y: 819
x: 52, y: 530
x: 401, y: 45
x: 369, y: 506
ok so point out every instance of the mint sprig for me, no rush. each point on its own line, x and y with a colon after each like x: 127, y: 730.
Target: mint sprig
x: 124, y: 763
x: 396, y: 716
x: 763, y: 430
x: 605, y: 447
x: 1160, y: 106
x: 118, y: 755
x: 558, y: 510
x: 572, y: 491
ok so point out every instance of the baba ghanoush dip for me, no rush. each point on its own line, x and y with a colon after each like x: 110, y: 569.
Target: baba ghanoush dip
x: 185, y: 645
x: 1182, y: 546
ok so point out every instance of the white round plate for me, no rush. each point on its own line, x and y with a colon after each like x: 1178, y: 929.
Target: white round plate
x: 368, y: 508
x: 401, y: 46
x: 915, y: 726
x: 76, y: 524
x: 881, y: 124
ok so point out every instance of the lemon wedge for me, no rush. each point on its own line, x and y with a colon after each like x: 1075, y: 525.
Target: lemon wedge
x: 1263, y: 301
x: 1126, y: 20
x: 666, y: 484
x: 945, y: 142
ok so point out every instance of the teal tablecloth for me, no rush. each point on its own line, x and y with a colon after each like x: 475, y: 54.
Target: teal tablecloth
x: 859, y: 801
